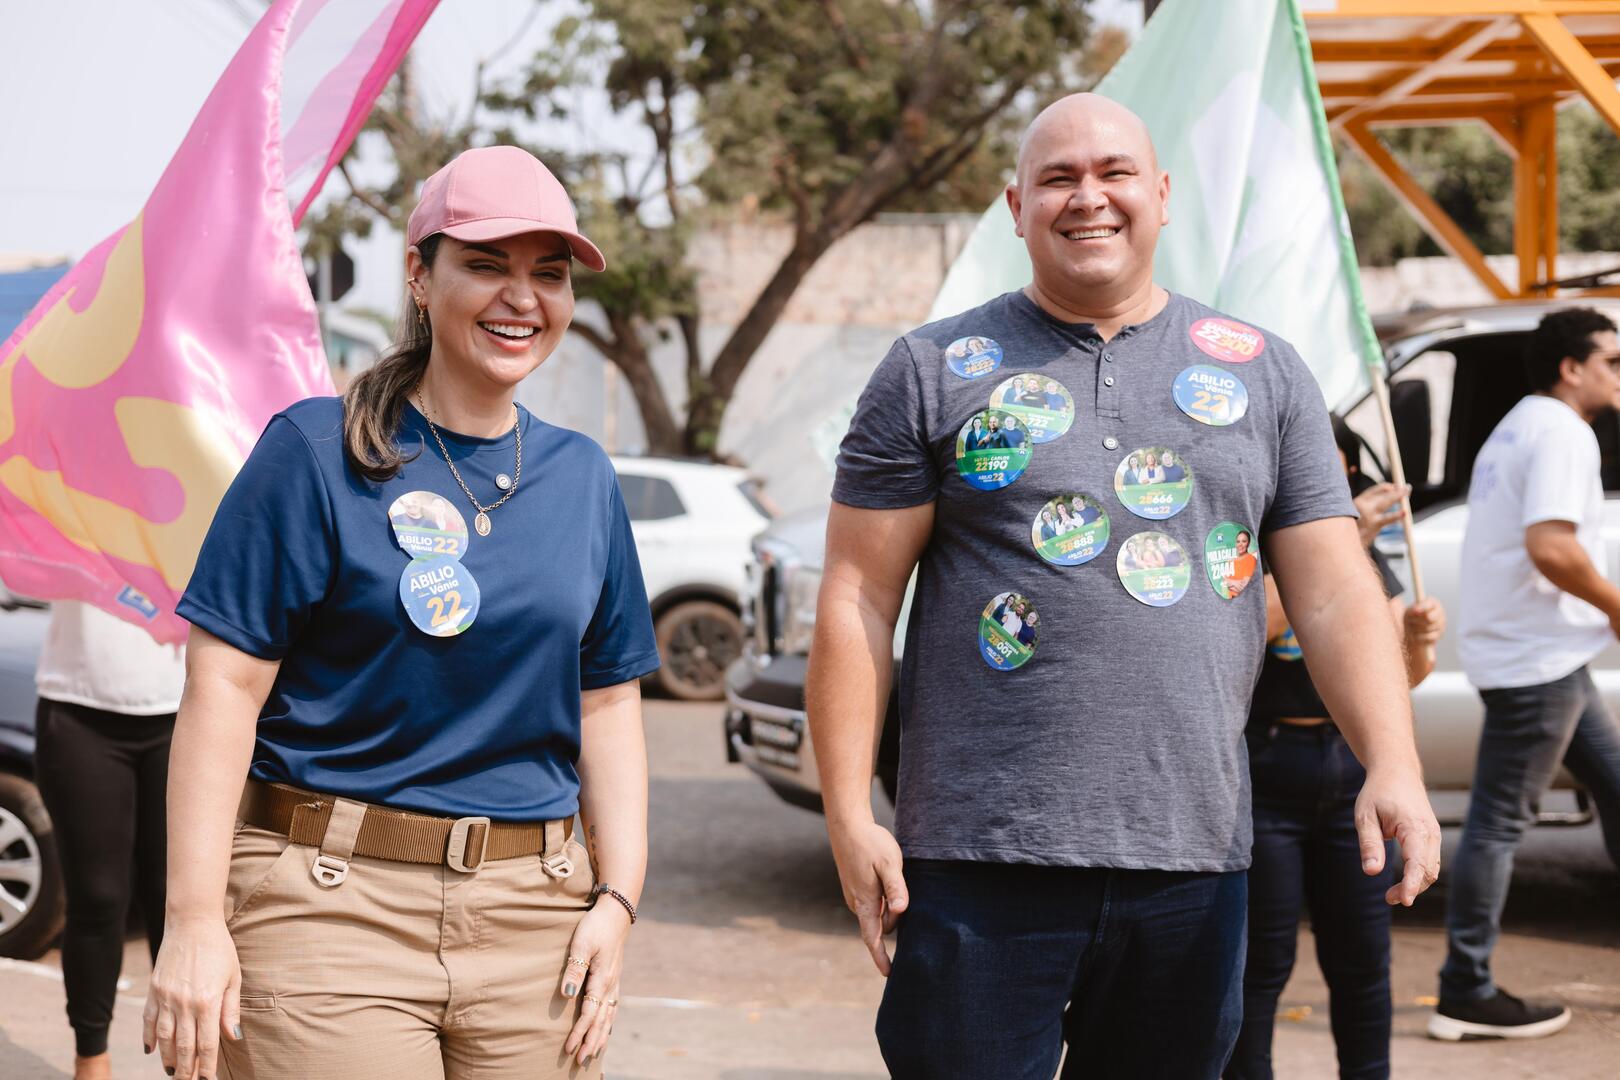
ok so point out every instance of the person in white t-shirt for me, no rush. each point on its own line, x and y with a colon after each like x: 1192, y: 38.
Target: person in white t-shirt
x: 108, y: 695
x: 1538, y: 609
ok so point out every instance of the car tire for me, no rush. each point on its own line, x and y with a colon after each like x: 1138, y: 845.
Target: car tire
x: 32, y: 907
x: 697, y: 641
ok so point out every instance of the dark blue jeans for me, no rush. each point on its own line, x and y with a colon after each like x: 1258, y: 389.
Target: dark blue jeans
x: 1528, y: 731
x: 1306, y: 855
x: 998, y: 966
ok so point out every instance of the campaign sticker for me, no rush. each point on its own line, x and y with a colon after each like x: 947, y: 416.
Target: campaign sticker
x: 1210, y: 395
x: 440, y: 595
x: 973, y: 357
x: 1153, y: 568
x: 1044, y: 406
x: 993, y: 449
x: 428, y: 524
x: 1007, y: 631
x: 1153, y: 482
x: 1070, y: 530
x: 1231, y: 559
x: 1227, y: 340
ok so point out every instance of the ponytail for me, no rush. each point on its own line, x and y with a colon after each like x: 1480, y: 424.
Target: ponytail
x: 374, y: 403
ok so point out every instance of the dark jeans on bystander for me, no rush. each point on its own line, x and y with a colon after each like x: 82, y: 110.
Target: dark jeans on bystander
x: 1307, y: 856
x: 102, y: 776
x: 998, y: 966
x: 1529, y: 730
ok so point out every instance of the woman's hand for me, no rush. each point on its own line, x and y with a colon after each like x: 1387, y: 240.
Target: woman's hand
x: 194, y: 997
x: 1379, y: 505
x: 1425, y: 622
x: 599, y: 942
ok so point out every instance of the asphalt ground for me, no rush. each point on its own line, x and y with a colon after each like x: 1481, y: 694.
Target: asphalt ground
x: 746, y: 966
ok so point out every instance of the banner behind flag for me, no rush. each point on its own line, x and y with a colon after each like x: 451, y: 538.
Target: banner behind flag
x: 132, y: 393
x: 1257, y: 224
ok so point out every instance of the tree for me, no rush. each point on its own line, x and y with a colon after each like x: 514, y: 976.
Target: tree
x: 820, y: 113
x: 1472, y: 179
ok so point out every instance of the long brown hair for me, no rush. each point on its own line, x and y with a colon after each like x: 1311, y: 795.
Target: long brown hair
x: 374, y: 403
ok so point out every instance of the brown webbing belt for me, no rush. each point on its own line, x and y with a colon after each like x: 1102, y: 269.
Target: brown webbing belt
x: 302, y: 817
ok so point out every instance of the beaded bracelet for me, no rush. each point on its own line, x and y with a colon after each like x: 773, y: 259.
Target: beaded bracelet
x: 620, y: 897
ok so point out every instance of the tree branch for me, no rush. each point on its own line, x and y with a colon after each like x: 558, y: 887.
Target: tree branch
x: 840, y: 25
x: 372, y: 203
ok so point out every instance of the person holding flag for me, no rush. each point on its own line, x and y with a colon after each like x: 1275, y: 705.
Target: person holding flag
x: 418, y: 711
x: 1080, y: 879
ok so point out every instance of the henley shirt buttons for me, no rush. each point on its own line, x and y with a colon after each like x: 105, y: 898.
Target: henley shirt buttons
x: 1110, y: 443
x: 1108, y: 358
x: 1108, y: 381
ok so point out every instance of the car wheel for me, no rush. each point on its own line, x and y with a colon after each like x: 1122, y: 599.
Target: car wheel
x: 31, y: 904
x: 697, y: 640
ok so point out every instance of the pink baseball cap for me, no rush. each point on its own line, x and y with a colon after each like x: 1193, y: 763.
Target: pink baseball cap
x: 491, y: 192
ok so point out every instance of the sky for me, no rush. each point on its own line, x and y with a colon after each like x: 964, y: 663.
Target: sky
x: 95, y: 95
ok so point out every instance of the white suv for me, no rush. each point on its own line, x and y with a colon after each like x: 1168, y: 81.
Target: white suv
x: 693, y: 523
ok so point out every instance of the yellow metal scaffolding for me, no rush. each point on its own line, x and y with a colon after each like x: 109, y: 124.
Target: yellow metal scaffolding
x: 1507, y: 64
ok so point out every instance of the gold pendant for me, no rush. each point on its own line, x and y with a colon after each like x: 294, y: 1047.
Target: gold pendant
x: 481, y: 523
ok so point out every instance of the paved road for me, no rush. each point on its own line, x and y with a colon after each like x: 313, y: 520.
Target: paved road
x: 746, y: 966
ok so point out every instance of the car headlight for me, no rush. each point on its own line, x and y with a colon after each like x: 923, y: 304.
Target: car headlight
x: 798, y: 593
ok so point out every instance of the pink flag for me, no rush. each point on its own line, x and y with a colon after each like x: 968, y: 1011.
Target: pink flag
x: 133, y: 391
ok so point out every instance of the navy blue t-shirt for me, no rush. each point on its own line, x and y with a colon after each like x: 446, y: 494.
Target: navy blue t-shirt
x: 301, y: 565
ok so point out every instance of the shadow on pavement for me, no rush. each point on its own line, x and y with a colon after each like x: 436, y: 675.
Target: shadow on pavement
x: 22, y: 1064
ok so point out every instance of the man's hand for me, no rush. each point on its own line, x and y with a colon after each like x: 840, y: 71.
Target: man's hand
x: 869, y: 868
x: 1379, y: 505
x: 1394, y: 806
x: 1425, y: 622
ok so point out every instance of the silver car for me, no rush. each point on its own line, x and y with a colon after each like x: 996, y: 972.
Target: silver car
x: 1454, y: 375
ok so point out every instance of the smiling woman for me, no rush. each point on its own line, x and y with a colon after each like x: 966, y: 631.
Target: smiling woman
x: 416, y: 704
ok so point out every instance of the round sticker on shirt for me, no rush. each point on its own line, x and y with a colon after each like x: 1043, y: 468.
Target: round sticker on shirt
x: 1210, y: 395
x: 993, y: 449
x: 973, y: 357
x: 1231, y: 559
x: 1153, y: 482
x: 428, y: 524
x: 1007, y: 631
x: 1153, y: 568
x: 1041, y: 404
x: 1226, y: 339
x: 440, y: 595
x: 1070, y: 530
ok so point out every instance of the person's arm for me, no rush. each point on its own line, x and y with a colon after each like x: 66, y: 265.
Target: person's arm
x: 613, y: 809
x: 1276, y: 617
x: 1420, y: 627
x: 1557, y: 553
x: 869, y: 560
x: 1339, y: 613
x: 196, y: 980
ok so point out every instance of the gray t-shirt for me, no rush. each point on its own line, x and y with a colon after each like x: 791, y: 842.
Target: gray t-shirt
x: 1048, y: 715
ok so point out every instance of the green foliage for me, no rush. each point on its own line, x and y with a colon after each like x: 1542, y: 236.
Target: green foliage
x: 1471, y: 177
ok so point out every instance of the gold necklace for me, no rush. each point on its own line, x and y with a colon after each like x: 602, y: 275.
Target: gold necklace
x: 481, y: 522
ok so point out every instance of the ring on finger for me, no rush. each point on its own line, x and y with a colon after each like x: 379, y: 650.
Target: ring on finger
x: 593, y: 997
x: 577, y: 962
x: 612, y: 1003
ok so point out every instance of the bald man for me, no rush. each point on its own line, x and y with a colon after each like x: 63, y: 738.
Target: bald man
x: 1072, y: 869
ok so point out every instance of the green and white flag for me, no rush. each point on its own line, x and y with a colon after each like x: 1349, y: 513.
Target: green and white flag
x: 1257, y: 224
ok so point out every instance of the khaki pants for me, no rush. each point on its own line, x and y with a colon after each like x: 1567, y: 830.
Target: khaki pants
x: 403, y: 971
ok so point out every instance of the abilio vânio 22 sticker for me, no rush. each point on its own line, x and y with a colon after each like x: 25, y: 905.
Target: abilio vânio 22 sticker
x: 1210, y: 395
x: 1153, y: 482
x: 1008, y: 631
x: 993, y: 449
x: 973, y: 357
x: 440, y: 595
x: 426, y: 523
x: 1231, y: 559
x: 1043, y: 404
x: 1153, y: 568
x: 1070, y: 530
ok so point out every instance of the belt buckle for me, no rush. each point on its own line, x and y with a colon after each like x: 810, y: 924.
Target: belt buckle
x: 456, y: 851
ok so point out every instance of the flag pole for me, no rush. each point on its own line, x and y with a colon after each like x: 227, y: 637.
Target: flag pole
x: 1397, y: 476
